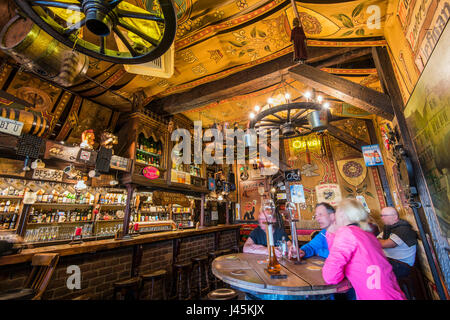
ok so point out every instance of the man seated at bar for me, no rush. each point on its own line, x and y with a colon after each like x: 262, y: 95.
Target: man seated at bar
x: 399, y: 242
x: 257, y: 240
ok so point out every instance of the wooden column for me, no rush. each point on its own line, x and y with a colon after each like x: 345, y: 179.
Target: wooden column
x: 22, y: 222
x: 127, y: 215
x: 227, y: 213
x: 381, y: 170
x: 202, y: 211
x: 387, y: 77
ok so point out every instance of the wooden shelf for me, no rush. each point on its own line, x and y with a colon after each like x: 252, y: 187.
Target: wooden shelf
x: 113, y: 220
x: 7, y: 230
x: 63, y: 205
x: 11, y: 198
x: 148, y: 153
x: 56, y: 223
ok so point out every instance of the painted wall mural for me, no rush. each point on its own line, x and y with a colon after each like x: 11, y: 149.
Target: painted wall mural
x: 428, y: 118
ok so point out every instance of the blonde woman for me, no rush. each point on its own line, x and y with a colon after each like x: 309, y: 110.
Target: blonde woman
x: 356, y: 254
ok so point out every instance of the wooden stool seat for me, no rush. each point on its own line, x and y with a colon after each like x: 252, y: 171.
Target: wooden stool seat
x: 200, y: 259
x: 226, y: 251
x: 129, y: 288
x: 155, y: 275
x: 127, y: 283
x: 223, y: 294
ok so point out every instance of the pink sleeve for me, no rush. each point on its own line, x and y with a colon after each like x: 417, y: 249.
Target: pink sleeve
x: 341, y: 251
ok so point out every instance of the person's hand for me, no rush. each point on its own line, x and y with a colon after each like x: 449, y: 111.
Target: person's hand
x: 293, y: 254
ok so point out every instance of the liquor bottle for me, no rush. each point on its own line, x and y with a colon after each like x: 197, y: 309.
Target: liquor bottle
x: 6, y: 208
x: 39, y: 217
x: 6, y: 222
x: 78, y: 216
x: 39, y: 196
x: 12, y: 224
x: 159, y: 148
x: 2, y: 206
x: 89, y: 215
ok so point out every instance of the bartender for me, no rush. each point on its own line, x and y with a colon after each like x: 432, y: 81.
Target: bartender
x: 257, y: 240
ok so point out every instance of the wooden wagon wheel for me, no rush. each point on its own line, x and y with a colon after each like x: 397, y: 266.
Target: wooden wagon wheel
x: 88, y: 26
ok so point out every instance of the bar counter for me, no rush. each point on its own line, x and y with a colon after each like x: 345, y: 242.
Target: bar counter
x: 103, y: 262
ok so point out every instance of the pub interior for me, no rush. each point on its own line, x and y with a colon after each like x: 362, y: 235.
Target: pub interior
x: 224, y: 150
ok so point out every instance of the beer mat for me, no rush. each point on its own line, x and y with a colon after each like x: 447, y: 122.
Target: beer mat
x: 262, y: 261
x: 276, y: 276
x: 314, y: 268
x: 317, y: 262
x: 238, y: 272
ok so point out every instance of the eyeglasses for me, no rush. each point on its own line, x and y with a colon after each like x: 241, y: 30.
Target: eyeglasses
x: 387, y: 215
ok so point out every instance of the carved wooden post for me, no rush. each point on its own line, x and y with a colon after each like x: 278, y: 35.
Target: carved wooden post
x: 202, y: 211
x: 127, y: 215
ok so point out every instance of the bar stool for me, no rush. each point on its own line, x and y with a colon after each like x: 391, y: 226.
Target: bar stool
x: 226, y: 251
x: 180, y: 270
x: 212, y: 279
x: 129, y: 288
x: 156, y: 275
x: 223, y: 294
x: 202, y: 264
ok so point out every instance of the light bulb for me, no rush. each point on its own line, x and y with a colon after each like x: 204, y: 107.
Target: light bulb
x: 319, y: 99
x: 257, y: 108
x: 308, y: 95
x: 252, y: 115
x: 270, y: 101
x: 287, y: 96
x: 326, y: 105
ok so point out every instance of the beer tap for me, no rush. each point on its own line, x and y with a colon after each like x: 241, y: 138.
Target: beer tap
x: 293, y: 223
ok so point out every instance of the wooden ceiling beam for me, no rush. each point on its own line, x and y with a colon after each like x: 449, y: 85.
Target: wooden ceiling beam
x: 355, y: 94
x: 240, y: 83
x: 346, y: 138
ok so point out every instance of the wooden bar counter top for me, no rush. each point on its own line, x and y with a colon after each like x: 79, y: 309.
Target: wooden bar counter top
x: 98, y: 245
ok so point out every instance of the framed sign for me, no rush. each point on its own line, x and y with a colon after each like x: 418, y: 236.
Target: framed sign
x: 372, y: 155
x: 59, y: 151
x: 151, y: 172
x: 329, y: 193
x: 292, y: 175
x: 11, y: 126
x: 48, y: 174
x: 297, y: 193
x: 120, y: 163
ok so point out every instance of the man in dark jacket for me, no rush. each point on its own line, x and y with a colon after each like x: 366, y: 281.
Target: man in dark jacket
x: 399, y: 242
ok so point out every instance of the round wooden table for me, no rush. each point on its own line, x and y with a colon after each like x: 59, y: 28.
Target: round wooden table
x: 246, y: 272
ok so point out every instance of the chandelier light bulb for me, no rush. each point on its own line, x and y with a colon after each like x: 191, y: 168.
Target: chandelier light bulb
x: 308, y: 94
x: 326, y: 105
x: 257, y: 108
x: 252, y: 115
x: 319, y: 99
x: 270, y: 101
x: 287, y: 96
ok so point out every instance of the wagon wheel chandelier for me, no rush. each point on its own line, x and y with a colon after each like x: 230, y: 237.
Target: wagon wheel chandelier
x: 110, y: 30
x: 293, y: 119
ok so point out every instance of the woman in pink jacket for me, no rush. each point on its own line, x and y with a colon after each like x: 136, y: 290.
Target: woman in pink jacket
x: 355, y: 253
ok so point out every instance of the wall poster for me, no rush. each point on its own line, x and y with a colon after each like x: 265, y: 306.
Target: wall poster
x: 428, y: 117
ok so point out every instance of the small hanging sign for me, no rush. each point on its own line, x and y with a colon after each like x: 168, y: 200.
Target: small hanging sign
x: 48, y: 174
x: 151, y: 172
x: 372, y: 155
x: 11, y: 126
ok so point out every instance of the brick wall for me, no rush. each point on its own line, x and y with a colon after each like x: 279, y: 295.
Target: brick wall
x: 100, y: 270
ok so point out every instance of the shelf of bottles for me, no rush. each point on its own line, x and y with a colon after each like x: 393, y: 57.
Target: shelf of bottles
x: 147, y: 211
x: 182, y: 216
x: 10, y: 201
x: 148, y: 151
x: 56, y: 215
